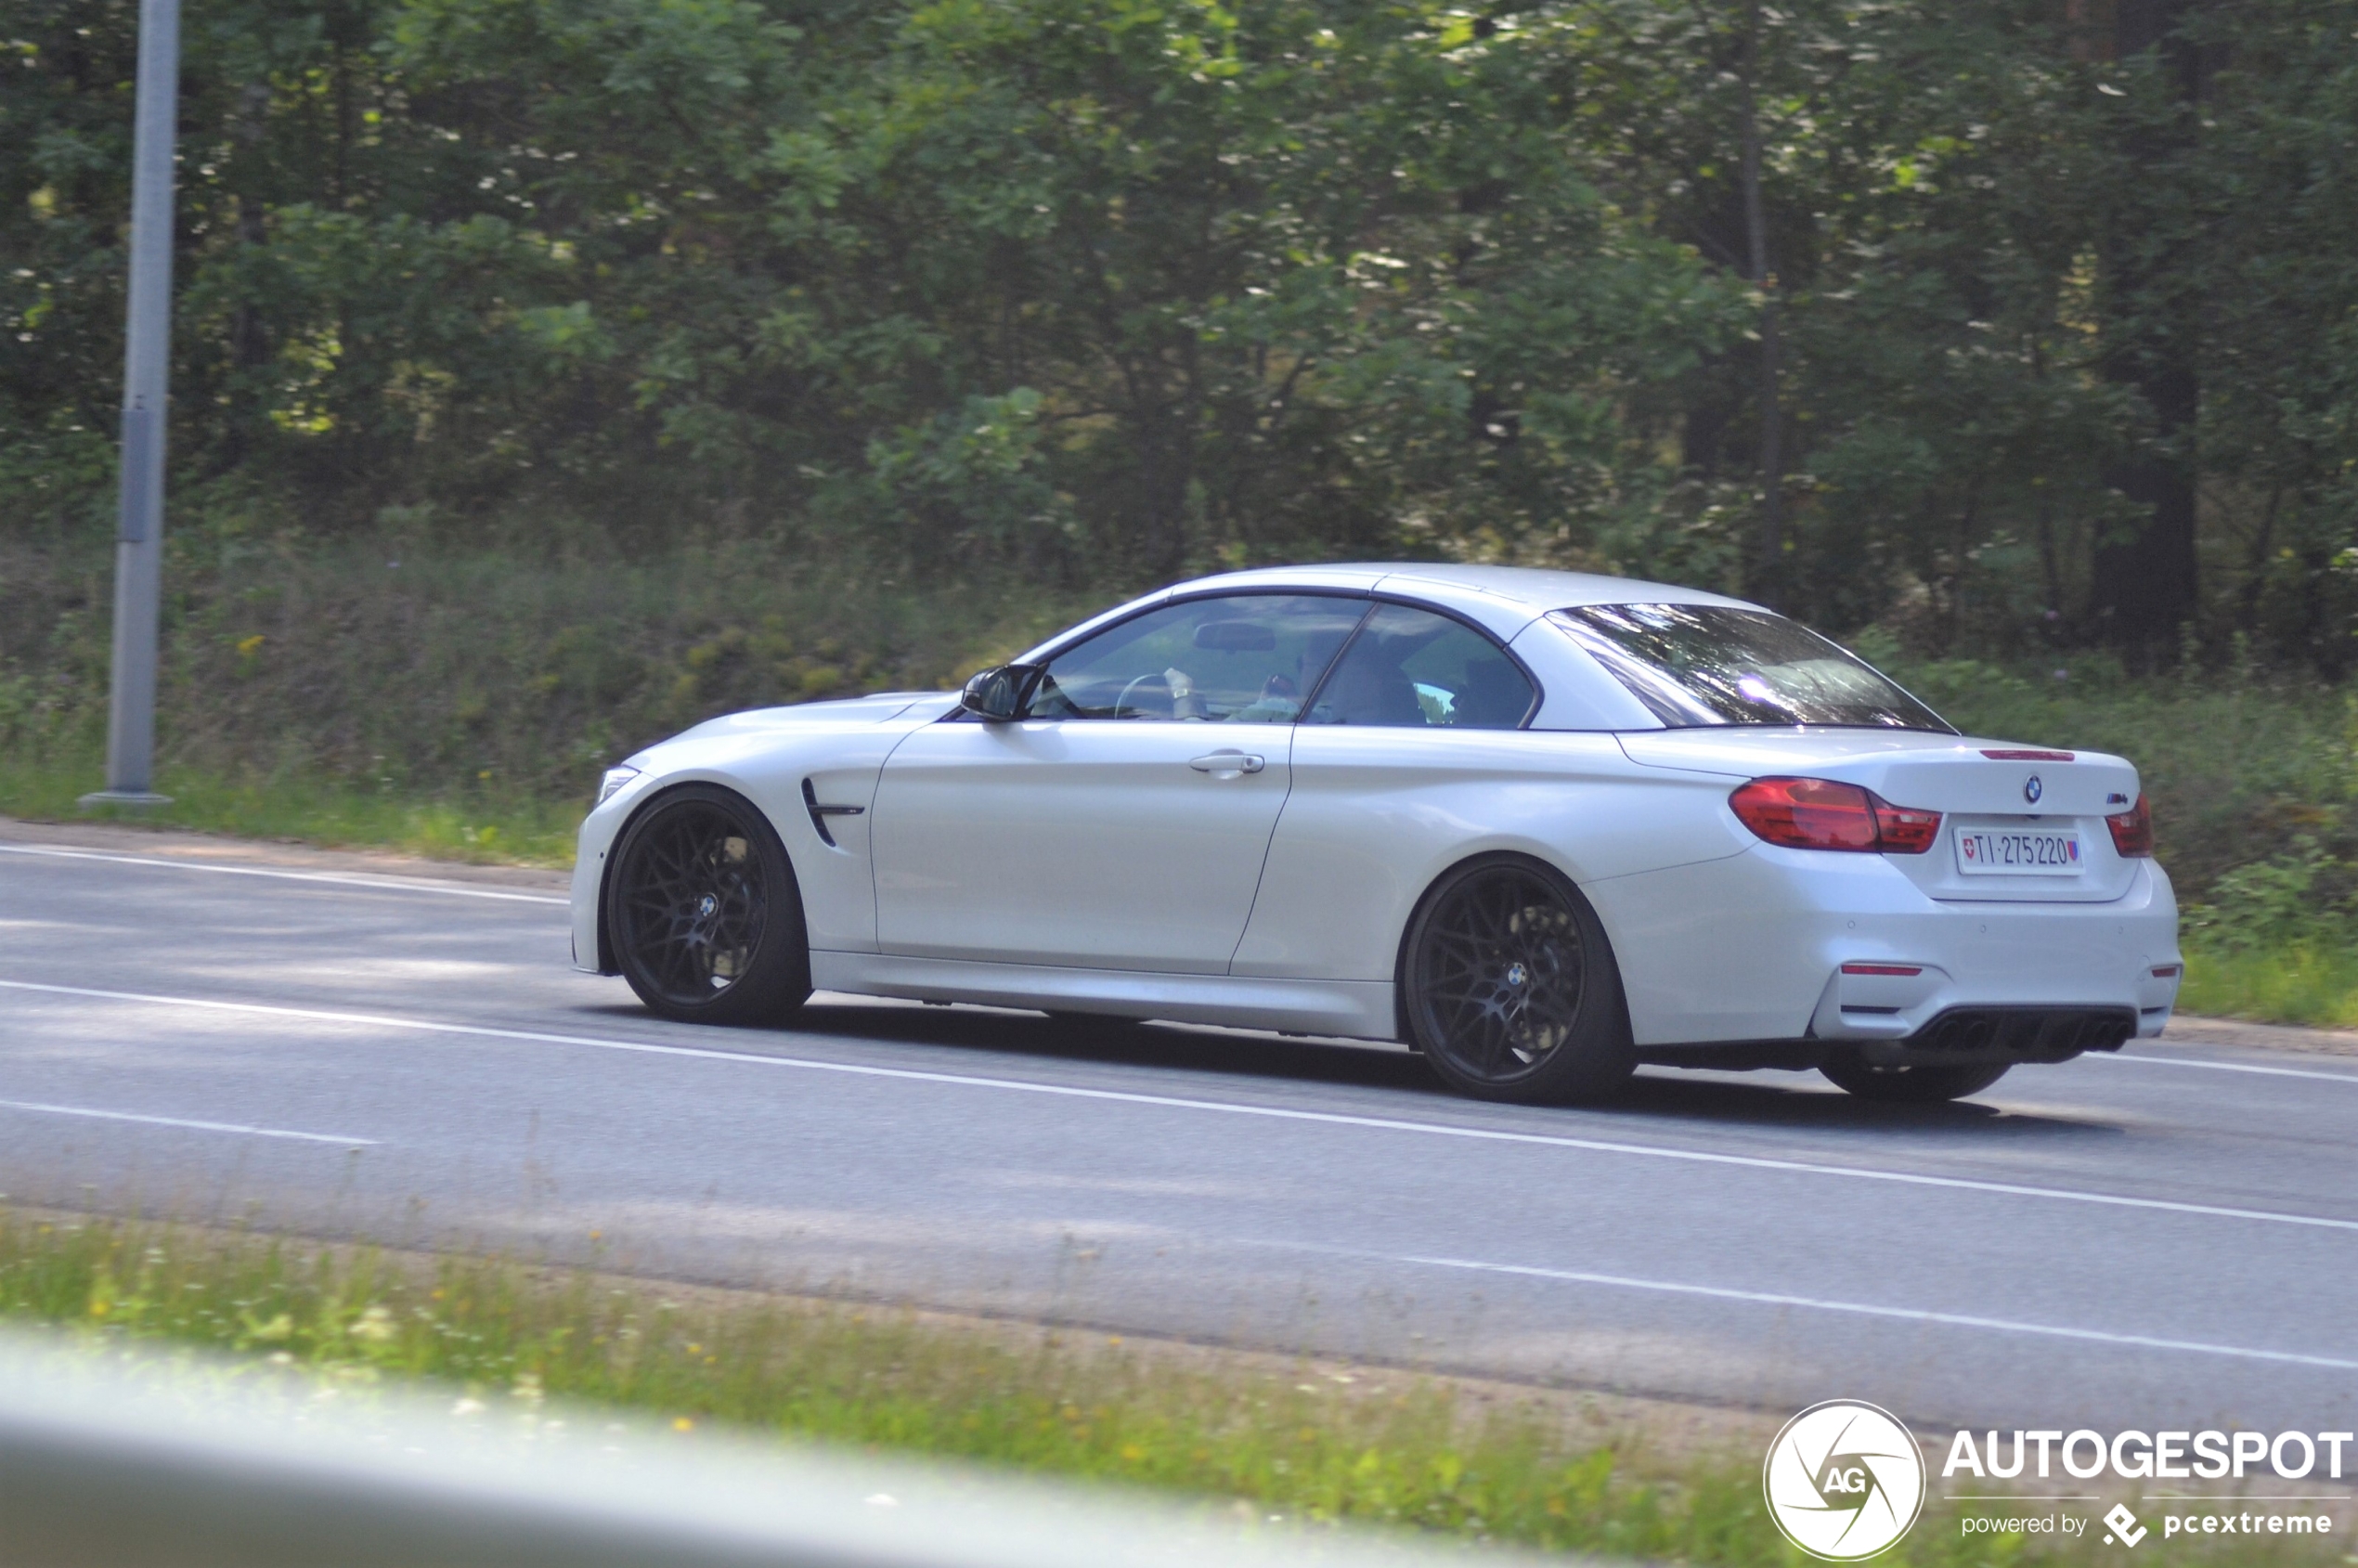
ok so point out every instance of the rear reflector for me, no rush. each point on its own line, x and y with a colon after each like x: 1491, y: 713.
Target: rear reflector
x: 2132, y: 831
x: 2167, y: 971
x: 1822, y: 815
x: 1886, y: 970
x: 2026, y: 756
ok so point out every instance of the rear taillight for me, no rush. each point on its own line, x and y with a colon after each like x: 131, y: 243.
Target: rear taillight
x: 2132, y: 831
x: 1822, y: 815
x: 1903, y: 831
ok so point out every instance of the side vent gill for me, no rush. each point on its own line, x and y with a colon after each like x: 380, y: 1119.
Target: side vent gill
x: 819, y: 815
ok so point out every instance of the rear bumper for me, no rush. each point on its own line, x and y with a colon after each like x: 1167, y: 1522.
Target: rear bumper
x: 1868, y: 1002
x: 1750, y: 952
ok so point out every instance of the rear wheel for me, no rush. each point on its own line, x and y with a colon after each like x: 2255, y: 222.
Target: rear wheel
x: 1510, y: 989
x: 703, y: 909
x: 1921, y: 1083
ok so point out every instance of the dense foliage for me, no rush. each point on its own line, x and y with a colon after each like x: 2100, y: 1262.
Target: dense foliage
x: 2060, y: 293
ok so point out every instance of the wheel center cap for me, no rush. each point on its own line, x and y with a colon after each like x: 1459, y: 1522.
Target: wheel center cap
x: 705, y: 905
x: 1517, y: 974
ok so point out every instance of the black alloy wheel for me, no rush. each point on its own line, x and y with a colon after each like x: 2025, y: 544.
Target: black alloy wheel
x: 1509, y: 988
x: 1920, y: 1083
x: 704, y: 912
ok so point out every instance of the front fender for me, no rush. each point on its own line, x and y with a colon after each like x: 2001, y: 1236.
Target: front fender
x: 839, y: 748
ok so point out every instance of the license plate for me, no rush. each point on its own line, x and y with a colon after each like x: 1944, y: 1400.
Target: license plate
x: 1983, y: 851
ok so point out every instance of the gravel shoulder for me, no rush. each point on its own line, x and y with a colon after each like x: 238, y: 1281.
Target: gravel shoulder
x: 2246, y: 1035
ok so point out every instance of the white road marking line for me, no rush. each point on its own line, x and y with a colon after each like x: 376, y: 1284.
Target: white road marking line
x: 1280, y: 1113
x: 2240, y: 1066
x: 381, y: 884
x: 183, y: 1121
x: 1862, y: 1309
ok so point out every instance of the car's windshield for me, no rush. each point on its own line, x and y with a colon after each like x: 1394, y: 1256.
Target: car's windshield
x: 1714, y: 664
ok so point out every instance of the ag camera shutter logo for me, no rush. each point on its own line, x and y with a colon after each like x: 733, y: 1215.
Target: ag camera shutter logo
x: 1844, y: 1479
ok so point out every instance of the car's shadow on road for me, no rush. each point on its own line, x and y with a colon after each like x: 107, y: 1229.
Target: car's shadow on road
x: 1767, y: 1100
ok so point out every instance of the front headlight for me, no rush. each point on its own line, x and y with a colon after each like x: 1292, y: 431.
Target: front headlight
x: 611, y: 785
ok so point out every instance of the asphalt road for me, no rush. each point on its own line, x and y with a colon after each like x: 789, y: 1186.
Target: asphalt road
x: 2162, y: 1239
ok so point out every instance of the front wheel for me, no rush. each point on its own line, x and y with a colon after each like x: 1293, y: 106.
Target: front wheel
x: 1509, y: 988
x: 703, y: 909
x: 1921, y: 1083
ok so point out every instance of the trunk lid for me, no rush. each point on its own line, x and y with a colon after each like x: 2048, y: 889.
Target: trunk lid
x: 1979, y: 786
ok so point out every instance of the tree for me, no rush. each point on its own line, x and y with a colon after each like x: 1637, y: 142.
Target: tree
x: 1955, y: 318
x: 2143, y: 586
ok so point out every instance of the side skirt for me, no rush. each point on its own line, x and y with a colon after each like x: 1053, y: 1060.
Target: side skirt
x: 1351, y: 1009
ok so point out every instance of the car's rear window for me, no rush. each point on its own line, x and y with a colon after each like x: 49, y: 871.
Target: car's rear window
x: 1712, y: 664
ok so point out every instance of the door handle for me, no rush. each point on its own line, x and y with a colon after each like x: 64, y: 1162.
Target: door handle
x: 1228, y: 764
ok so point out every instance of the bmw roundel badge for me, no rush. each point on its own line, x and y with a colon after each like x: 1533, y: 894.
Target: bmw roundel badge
x: 2033, y: 789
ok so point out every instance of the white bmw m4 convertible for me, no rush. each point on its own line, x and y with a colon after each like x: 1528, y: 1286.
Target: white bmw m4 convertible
x: 1539, y: 827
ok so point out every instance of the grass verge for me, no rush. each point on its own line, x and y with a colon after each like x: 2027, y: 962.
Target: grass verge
x: 338, y: 813
x: 2308, y: 982
x: 1374, y: 1445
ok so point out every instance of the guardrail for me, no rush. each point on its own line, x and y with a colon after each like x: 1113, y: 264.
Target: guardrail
x: 119, y: 1454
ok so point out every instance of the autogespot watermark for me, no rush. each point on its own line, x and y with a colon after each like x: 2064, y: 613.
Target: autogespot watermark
x: 2086, y: 1454
x: 2160, y: 1456
x: 1844, y: 1480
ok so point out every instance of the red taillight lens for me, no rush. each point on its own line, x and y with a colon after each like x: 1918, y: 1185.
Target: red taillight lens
x: 1904, y: 832
x: 2132, y: 831
x: 1808, y: 813
x: 1822, y: 815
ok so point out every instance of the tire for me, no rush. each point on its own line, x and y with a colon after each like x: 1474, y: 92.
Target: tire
x: 1921, y: 1085
x: 1510, y: 989
x: 704, y: 912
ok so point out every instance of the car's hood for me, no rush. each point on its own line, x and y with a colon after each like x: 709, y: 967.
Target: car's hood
x: 880, y: 707
x: 843, y: 714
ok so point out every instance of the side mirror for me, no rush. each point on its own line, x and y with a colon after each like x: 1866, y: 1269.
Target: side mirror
x: 1000, y: 693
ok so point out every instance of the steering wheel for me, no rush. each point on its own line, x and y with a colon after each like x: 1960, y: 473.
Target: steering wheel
x: 1152, y: 683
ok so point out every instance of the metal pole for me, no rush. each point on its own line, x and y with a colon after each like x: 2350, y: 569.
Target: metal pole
x: 147, y: 363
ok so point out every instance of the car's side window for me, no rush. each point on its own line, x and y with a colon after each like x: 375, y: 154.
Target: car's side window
x: 1412, y: 668
x: 1243, y: 659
